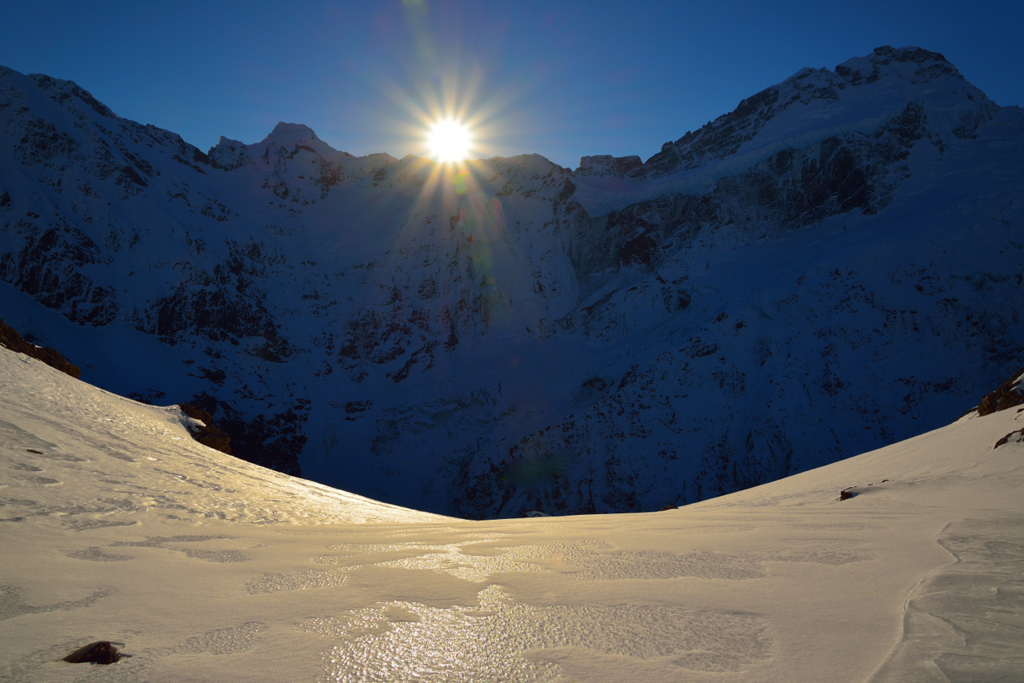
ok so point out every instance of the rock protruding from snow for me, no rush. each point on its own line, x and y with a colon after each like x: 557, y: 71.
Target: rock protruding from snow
x: 911, y: 64
x: 100, y: 652
x: 606, y: 164
x: 228, y: 153
x: 1007, y: 395
x: 10, y: 339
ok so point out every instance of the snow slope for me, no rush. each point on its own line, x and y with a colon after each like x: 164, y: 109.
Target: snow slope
x: 115, y: 525
x: 831, y: 267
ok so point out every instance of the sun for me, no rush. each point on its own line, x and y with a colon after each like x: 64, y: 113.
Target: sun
x: 449, y: 140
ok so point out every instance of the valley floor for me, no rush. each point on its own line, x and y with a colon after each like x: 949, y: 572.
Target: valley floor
x: 115, y: 525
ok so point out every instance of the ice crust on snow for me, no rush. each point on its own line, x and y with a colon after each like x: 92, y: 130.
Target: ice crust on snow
x: 117, y: 526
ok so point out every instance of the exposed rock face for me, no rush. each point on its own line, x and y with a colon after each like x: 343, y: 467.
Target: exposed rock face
x: 208, y: 434
x: 10, y: 339
x: 790, y: 189
x: 832, y: 266
x: 1012, y: 437
x: 1007, y: 395
x: 606, y: 164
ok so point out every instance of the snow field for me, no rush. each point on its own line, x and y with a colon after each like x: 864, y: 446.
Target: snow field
x: 115, y: 525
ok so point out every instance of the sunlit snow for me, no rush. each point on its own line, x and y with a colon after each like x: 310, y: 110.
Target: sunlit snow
x: 116, y: 526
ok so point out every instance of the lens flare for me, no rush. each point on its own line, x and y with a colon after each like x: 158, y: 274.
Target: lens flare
x: 449, y: 140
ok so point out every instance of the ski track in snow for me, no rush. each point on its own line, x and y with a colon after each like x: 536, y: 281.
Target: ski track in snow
x: 117, y: 526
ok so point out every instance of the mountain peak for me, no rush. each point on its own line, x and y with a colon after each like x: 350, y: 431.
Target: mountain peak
x: 913, y: 64
x: 822, y: 270
x: 294, y: 137
x: 814, y: 104
x: 286, y: 134
x: 288, y: 138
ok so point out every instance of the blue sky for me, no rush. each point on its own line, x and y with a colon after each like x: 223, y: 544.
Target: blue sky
x: 559, y: 78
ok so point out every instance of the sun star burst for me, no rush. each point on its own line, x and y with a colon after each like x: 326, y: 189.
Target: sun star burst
x: 449, y: 140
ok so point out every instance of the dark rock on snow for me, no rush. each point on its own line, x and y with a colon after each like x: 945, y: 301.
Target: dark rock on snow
x: 100, y: 652
x: 10, y: 339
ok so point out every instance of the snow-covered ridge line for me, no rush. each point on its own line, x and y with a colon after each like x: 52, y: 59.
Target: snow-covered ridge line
x: 813, y: 105
x: 151, y: 447
x: 839, y: 270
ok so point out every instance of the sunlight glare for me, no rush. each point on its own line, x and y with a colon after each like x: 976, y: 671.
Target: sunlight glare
x: 449, y: 140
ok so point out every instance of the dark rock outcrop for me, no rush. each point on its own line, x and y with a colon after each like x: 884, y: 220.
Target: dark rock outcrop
x: 10, y: 339
x: 100, y: 652
x: 273, y: 441
x: 1012, y: 437
x: 1007, y: 395
x: 209, y: 434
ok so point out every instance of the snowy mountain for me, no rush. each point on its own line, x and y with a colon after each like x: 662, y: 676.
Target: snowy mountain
x: 197, y: 566
x: 833, y: 266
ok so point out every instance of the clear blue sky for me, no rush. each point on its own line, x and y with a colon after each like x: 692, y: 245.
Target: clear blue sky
x: 560, y: 78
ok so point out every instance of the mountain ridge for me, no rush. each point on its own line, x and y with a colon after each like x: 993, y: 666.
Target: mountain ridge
x: 537, y: 338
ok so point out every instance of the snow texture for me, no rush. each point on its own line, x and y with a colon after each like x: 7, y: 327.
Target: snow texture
x: 199, y: 566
